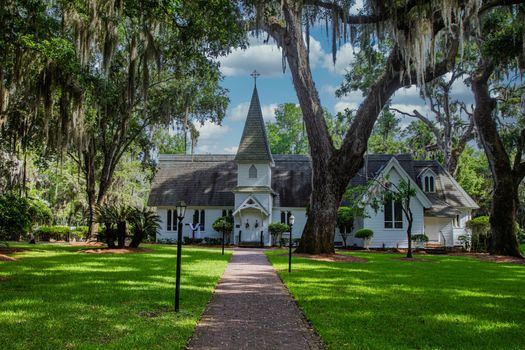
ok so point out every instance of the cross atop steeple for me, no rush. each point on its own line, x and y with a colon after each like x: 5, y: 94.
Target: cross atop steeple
x: 255, y: 75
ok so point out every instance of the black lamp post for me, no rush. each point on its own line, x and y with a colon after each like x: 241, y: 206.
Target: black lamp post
x: 223, y: 227
x: 291, y: 221
x: 181, y: 211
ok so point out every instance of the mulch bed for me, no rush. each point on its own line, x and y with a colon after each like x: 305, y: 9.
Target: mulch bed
x: 87, y: 244
x: 330, y: 257
x: 6, y: 258
x: 5, y: 251
x: 116, y: 251
x: 500, y: 259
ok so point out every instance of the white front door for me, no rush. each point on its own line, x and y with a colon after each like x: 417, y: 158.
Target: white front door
x: 252, y: 233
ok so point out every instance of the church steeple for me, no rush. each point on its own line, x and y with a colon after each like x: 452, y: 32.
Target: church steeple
x: 254, y: 145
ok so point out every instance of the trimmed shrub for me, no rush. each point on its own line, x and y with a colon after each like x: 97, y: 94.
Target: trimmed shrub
x: 276, y: 229
x: 364, y: 233
x: 46, y: 233
x: 420, y: 238
x: 479, y: 233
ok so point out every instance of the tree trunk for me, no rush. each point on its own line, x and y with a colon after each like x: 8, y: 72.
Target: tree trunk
x: 121, y: 234
x: 506, y: 178
x: 89, y: 171
x: 503, y: 240
x: 332, y: 169
x: 409, y: 236
x: 110, y: 236
x: 136, y: 240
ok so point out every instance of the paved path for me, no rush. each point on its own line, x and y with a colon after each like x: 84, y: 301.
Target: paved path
x: 251, y: 309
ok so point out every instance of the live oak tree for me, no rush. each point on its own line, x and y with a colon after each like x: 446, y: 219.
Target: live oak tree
x: 502, y: 52
x: 450, y: 119
x: 417, y: 29
x: 104, y: 74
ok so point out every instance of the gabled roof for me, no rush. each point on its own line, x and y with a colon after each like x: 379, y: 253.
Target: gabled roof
x: 209, y: 180
x: 254, y: 145
x: 251, y: 203
x: 393, y: 163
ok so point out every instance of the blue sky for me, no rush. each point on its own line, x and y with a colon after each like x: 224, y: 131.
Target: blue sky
x: 276, y: 88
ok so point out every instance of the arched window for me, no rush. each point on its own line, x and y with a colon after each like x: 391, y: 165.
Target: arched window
x: 252, y: 173
x: 168, y: 219
x: 429, y: 184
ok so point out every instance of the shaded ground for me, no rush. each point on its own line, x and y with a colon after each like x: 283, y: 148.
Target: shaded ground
x: 458, y: 302
x: 54, y: 298
x: 329, y: 257
x: 116, y: 250
x: 251, y: 309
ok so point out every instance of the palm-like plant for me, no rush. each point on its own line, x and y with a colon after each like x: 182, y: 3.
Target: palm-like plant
x: 144, y: 223
x: 107, y: 215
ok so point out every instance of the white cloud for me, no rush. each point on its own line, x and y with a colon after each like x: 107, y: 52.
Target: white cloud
x: 231, y: 150
x: 344, y: 57
x: 211, y: 131
x: 341, y: 106
x: 239, y: 112
x: 265, y: 57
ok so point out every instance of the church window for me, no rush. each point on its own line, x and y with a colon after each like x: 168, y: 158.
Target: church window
x: 202, y: 222
x: 429, y: 184
x: 252, y: 172
x: 285, y: 217
x: 393, y: 214
x: 198, y: 218
x: 168, y: 219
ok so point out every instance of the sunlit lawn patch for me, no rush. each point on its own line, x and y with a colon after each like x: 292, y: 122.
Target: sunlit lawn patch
x: 386, y: 303
x: 55, y: 298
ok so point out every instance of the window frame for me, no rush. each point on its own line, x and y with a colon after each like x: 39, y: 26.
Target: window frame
x: 396, y: 222
x: 252, y: 172
x: 169, y: 220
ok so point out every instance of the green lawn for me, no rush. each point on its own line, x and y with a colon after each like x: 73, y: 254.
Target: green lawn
x: 56, y: 298
x: 449, y: 303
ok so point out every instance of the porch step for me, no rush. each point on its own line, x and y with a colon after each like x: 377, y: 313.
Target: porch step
x: 250, y: 244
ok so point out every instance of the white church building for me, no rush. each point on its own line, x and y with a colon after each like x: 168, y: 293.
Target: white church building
x: 258, y: 188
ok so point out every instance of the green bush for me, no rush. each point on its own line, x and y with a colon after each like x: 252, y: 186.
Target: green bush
x: 420, y: 238
x: 479, y: 233
x: 364, y: 233
x: 223, y: 225
x: 276, y: 230
x: 46, y: 233
x: 15, y: 216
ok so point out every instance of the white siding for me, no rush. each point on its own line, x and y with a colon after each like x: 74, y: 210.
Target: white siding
x: 210, y: 215
x: 263, y: 175
x: 391, y: 237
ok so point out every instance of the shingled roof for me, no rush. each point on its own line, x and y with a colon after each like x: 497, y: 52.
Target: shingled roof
x: 208, y: 180
x: 254, y: 143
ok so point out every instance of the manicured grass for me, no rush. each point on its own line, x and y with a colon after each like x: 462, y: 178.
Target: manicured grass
x: 56, y: 298
x: 449, y: 303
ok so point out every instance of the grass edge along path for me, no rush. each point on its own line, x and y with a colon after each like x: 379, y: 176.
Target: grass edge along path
x: 52, y: 297
x: 444, y: 302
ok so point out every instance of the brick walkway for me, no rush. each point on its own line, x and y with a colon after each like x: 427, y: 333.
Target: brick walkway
x: 251, y: 309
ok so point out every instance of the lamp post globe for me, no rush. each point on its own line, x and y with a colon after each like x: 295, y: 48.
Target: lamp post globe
x: 291, y: 221
x: 181, y: 211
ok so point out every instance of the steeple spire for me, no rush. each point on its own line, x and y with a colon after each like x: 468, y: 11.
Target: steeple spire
x: 254, y: 145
